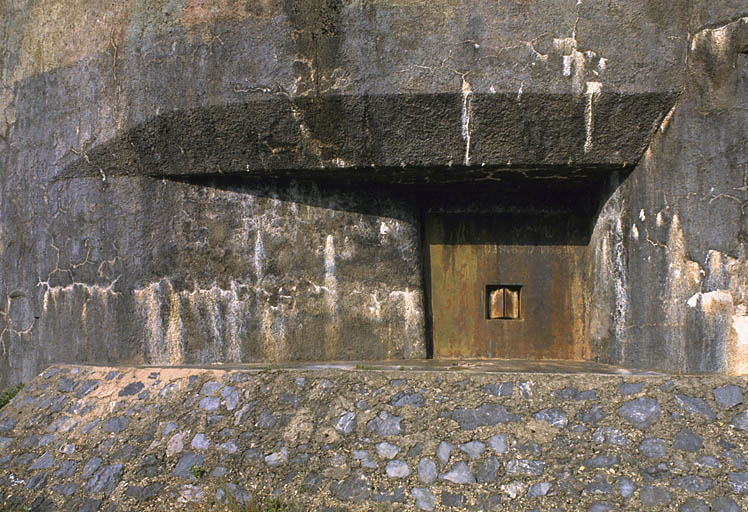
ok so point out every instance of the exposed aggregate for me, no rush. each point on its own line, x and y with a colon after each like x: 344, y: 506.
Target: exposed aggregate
x: 87, y: 438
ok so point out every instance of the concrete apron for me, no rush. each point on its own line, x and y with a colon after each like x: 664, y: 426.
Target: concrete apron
x: 427, y: 435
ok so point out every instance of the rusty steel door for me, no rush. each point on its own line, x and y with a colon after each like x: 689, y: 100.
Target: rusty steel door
x: 504, y: 286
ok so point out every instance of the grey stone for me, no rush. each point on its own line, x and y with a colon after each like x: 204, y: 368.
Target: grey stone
x: 364, y: 457
x: 267, y: 420
x: 739, y: 421
x: 362, y: 405
x: 387, y: 450
x: 168, y: 428
x: 241, y: 414
x: 253, y: 455
x: 398, y: 382
x: 397, y: 496
x: 143, y: 493
x: 37, y: 481
x: 427, y: 470
x: 539, y: 489
x: 90, y: 467
x: 738, y: 482
x: 65, y: 385
x: 525, y: 467
x: 289, y: 399
x: 200, y: 443
x: 415, y: 450
x: 602, y: 461
x: 190, y: 494
x: 50, y: 372
x: 7, y: 424
x: 514, y: 489
x: 300, y: 382
x: 498, y: 443
x: 230, y: 397
x: 626, y: 487
x: 659, y: 470
x: 452, y: 499
x: 185, y: 464
x: 424, y: 498
x: 229, y: 447
x: 132, y: 389
x: 592, y: 416
x: 598, y: 485
x: 67, y: 469
x: 115, y: 425
x: 609, y: 435
x: 688, y: 441
x: 67, y: 489
x: 653, y: 447
x: 210, y: 388
x: 346, y: 423
x: 499, y: 389
x: 90, y: 505
x: 402, y: 399
x: 707, y: 461
x: 724, y: 504
x: 87, y: 428
x: 694, y: 483
x: 5, y: 443
x: 728, y: 396
x: 459, y: 474
x: 630, y: 388
x: 312, y: 482
x: 695, y: 406
x: 219, y: 472
x: 651, y: 496
x: 473, y: 449
x: 210, y: 403
x: 86, y: 388
x: 553, y: 416
x: 641, y: 412
x: 488, y: 471
x: 385, y: 425
x: 67, y: 449
x: 397, y: 469
x: 694, y: 505
x: 443, y: 451
x: 105, y: 479
x: 46, y: 461
x: 276, y: 458
x: 600, y: 507
x: 484, y: 415
x: 351, y: 489
x: 525, y: 389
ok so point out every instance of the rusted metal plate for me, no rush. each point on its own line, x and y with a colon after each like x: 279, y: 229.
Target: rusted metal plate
x: 511, y: 303
x: 537, y: 315
x: 496, y: 303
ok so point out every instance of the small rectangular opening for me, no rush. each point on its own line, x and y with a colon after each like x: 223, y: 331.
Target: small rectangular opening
x: 503, y: 301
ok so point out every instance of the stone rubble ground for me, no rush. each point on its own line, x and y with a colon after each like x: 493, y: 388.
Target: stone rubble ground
x: 91, y: 438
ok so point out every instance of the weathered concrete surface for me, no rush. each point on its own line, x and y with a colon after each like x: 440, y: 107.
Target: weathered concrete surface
x: 668, y: 251
x: 97, y: 438
x: 119, y: 241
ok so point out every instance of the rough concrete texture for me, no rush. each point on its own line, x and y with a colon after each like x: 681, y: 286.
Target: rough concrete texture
x: 97, y: 438
x: 130, y: 230
x: 668, y: 252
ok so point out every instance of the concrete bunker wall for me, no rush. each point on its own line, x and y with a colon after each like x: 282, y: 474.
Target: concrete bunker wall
x: 191, y: 186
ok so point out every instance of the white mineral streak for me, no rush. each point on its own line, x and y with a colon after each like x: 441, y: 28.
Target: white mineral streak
x: 467, y: 112
x: 739, y: 364
x: 593, y: 91
x: 620, y: 286
x: 332, y: 330
x: 221, y: 316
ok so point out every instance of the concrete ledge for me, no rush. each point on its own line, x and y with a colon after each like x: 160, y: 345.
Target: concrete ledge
x: 95, y: 438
